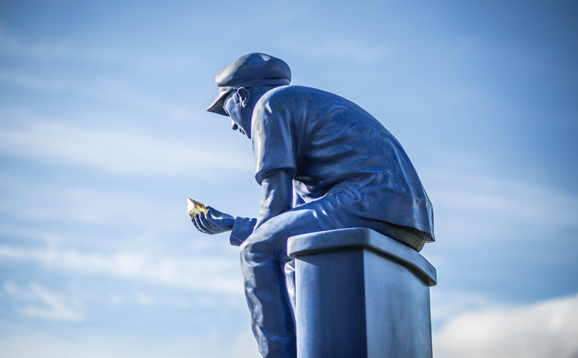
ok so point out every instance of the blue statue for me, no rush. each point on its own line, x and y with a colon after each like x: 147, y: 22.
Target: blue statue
x: 323, y: 163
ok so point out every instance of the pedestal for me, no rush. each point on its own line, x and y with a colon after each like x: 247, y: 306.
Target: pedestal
x: 360, y: 294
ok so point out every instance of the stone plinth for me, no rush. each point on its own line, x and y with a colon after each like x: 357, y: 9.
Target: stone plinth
x: 361, y: 294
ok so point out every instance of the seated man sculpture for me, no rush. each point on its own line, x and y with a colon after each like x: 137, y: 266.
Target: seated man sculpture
x: 323, y: 163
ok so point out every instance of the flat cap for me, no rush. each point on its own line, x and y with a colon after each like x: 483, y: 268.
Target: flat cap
x: 251, y: 70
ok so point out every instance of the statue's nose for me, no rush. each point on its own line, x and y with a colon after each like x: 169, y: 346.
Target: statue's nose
x: 234, y: 125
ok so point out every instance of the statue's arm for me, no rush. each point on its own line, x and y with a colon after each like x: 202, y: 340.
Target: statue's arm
x: 216, y: 222
x: 277, y: 196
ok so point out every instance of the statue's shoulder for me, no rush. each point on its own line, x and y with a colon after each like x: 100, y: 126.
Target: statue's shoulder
x: 284, y: 93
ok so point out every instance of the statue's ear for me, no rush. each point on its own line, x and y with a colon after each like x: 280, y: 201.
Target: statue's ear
x: 244, y: 96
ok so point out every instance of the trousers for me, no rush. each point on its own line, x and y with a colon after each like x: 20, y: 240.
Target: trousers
x: 269, y: 274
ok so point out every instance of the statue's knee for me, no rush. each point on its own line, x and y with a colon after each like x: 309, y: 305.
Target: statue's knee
x: 251, y: 247
x: 260, y: 247
x: 245, y: 248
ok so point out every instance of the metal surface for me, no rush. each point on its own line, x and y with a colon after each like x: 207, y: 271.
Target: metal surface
x: 360, y: 294
x: 323, y: 163
x: 194, y: 208
x: 363, y: 238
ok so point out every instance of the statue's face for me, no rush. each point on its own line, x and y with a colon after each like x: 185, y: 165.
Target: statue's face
x: 240, y: 108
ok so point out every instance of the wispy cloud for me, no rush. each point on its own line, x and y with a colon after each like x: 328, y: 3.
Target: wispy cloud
x: 351, y: 49
x: 212, y: 274
x: 447, y: 304
x: 39, y: 302
x: 542, y: 330
x: 51, y: 50
x: 111, y: 90
x: 33, y: 82
x: 206, y: 344
x: 348, y: 49
x: 116, y: 151
x: 24, y: 200
x: 490, y: 206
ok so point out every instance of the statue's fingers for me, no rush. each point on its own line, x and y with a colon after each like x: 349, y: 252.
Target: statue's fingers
x: 208, y: 224
x: 198, y: 224
x: 212, y: 212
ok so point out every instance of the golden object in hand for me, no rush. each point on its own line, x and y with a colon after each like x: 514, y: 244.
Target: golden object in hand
x: 195, y: 208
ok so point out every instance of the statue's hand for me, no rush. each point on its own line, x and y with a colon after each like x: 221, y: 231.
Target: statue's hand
x: 215, y: 222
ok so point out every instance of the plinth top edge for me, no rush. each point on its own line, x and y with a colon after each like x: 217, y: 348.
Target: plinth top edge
x: 364, y: 238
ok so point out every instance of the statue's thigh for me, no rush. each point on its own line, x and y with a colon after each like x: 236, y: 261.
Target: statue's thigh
x: 319, y: 215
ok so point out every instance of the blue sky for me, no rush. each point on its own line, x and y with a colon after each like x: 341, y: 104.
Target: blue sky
x: 104, y: 134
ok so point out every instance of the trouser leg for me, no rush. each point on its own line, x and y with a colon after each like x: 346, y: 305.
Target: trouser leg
x: 267, y: 287
x: 272, y: 319
x: 269, y: 280
x: 290, y: 282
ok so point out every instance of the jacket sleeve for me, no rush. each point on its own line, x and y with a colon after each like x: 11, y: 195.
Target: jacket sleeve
x: 242, y: 228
